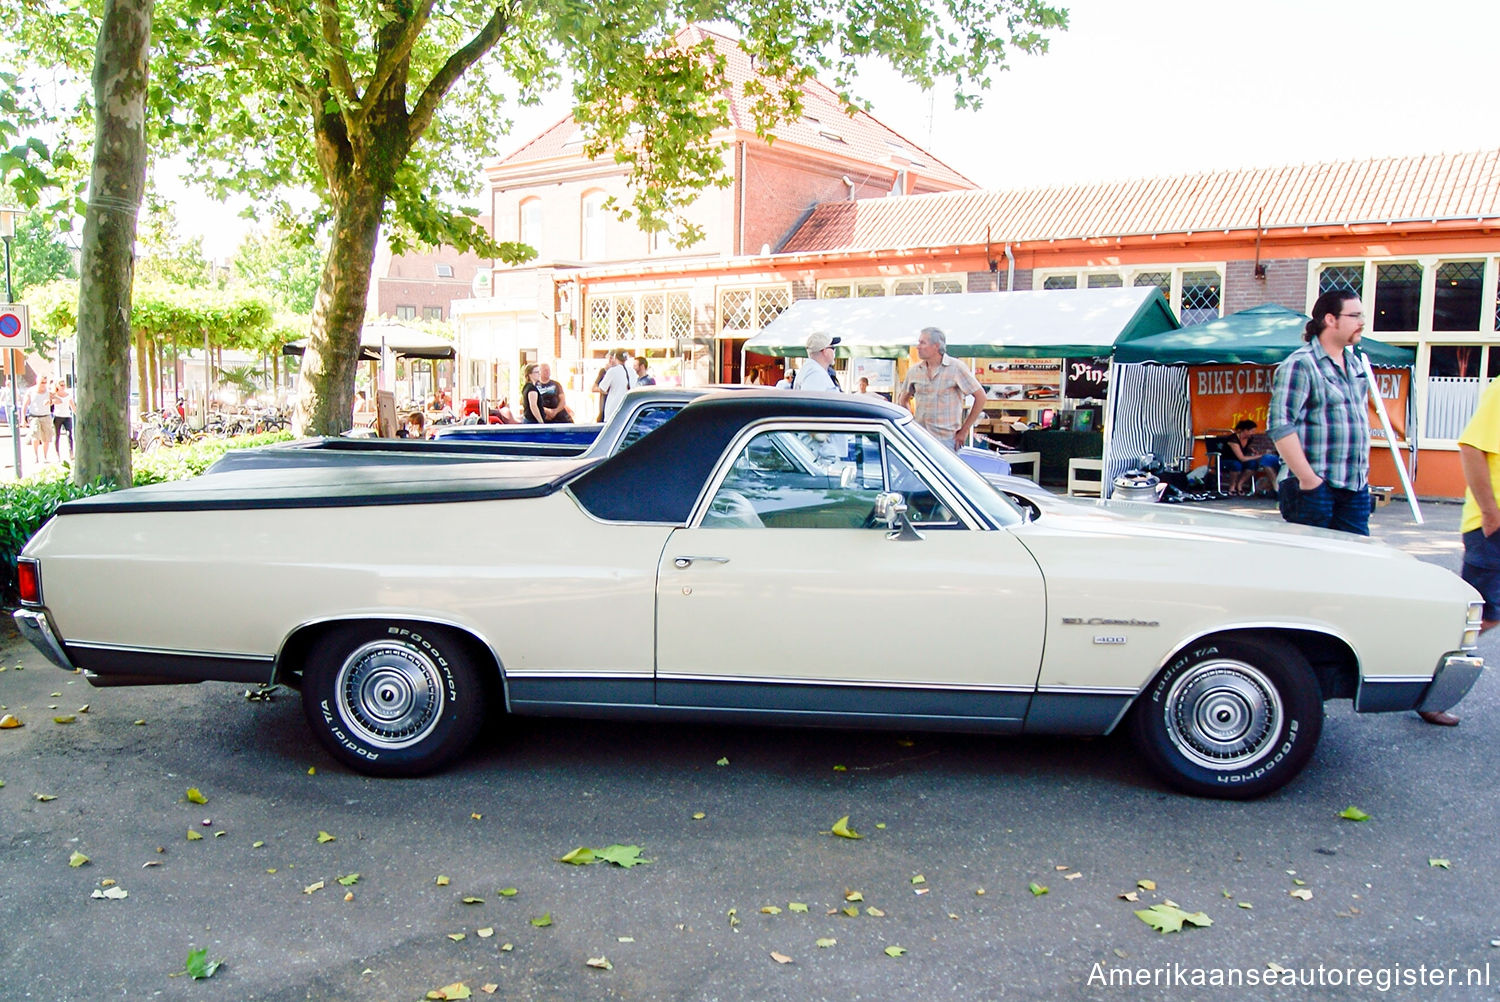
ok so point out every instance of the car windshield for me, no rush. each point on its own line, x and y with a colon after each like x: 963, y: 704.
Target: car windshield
x: 1000, y: 508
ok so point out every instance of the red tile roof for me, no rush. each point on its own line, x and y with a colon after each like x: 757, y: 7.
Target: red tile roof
x: 824, y: 126
x: 1438, y: 186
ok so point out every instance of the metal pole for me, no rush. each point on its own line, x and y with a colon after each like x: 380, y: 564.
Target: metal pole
x: 10, y: 359
x: 1390, y: 438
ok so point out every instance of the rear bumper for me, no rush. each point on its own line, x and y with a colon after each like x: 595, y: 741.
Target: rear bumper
x: 37, y: 629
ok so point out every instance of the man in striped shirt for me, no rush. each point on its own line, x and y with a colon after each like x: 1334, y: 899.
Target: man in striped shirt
x: 1320, y: 422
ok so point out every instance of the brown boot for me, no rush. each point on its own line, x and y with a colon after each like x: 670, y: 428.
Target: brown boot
x: 1442, y: 718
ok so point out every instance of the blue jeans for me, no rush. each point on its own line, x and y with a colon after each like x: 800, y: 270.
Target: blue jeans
x: 1325, y: 506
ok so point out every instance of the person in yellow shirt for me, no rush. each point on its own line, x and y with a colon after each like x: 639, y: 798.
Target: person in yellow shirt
x: 1479, y: 455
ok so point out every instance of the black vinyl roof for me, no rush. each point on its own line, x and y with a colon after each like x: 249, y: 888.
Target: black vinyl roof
x: 659, y: 477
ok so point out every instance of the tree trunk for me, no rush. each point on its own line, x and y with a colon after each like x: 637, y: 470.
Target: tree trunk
x: 325, y: 394
x: 107, y: 267
x: 142, y: 371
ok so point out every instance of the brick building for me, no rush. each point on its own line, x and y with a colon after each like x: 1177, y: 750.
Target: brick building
x: 423, y: 284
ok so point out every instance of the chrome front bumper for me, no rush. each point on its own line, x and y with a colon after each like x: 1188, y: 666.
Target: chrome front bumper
x: 1455, y: 676
x: 35, y: 627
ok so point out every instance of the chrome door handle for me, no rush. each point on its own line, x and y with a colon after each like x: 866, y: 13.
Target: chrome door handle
x: 682, y: 562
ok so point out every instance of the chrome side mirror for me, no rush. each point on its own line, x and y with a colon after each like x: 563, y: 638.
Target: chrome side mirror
x: 890, y: 508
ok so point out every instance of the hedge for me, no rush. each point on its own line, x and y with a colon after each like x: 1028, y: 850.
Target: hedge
x: 25, y: 506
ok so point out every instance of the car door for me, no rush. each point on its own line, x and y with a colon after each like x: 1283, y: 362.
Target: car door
x: 784, y: 596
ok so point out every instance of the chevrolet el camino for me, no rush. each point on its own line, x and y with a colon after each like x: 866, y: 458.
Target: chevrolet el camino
x: 410, y: 602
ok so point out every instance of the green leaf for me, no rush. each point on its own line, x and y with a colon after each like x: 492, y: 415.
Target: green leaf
x: 722, y: 761
x: 796, y: 906
x: 77, y: 859
x: 582, y: 856
x: 199, y: 966
x: 193, y: 836
x: 842, y: 830
x: 195, y: 796
x: 621, y: 855
x: 824, y: 944
x: 1037, y: 890
x: 1165, y: 918
x: 324, y: 837
x: 543, y: 921
x: 1352, y: 813
x: 895, y: 951
x: 1431, y: 862
x: 349, y: 880
x: 507, y: 892
x: 770, y: 910
x: 471, y: 900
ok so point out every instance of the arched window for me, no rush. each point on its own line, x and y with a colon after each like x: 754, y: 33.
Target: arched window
x: 530, y: 231
x: 592, y: 244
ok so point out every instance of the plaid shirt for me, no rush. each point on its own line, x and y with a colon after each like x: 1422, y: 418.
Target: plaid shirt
x: 1328, y: 409
x: 938, y: 403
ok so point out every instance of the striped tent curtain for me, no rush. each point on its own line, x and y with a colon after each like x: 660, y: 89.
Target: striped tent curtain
x: 1149, y: 400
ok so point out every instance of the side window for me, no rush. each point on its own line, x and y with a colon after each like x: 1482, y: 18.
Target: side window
x: 817, y: 480
x: 647, y: 420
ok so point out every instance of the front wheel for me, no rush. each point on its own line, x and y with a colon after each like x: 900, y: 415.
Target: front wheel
x: 391, y: 698
x: 1230, y: 718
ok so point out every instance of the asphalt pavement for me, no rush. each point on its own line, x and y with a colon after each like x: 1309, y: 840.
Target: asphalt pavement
x: 988, y: 868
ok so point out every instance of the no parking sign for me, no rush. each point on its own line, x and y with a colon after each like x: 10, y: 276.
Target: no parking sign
x: 15, y: 326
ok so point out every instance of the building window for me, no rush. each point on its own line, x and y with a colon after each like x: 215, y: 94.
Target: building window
x: 1457, y: 298
x: 530, y: 224
x: 432, y: 313
x: 592, y: 244
x: 744, y: 313
x: 406, y: 313
x: 1200, y: 297
x: 445, y: 271
x: 1060, y: 282
x: 1398, y: 297
x: 1161, y: 279
x: 1106, y: 280
x: 911, y: 285
x: 647, y: 318
x: 1342, y: 277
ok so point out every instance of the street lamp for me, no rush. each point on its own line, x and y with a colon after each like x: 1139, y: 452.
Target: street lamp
x: 8, y: 233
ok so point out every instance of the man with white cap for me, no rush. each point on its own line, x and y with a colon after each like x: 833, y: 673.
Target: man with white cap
x: 815, y: 375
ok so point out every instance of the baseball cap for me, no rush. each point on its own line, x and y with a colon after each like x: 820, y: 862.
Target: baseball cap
x: 818, y: 340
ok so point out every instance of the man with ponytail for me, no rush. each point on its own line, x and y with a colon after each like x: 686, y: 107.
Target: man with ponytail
x: 1320, y: 422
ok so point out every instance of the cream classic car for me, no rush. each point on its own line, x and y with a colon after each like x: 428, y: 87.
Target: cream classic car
x: 728, y: 566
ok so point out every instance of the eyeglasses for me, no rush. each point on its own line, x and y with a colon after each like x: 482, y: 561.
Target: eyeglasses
x: 1353, y: 316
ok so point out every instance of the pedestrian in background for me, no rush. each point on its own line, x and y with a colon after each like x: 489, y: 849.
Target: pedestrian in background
x: 643, y: 375
x: 62, y: 418
x: 939, y: 383
x: 617, y: 381
x: 39, y: 417
x: 554, y: 402
x: 814, y: 374
x: 1320, y: 421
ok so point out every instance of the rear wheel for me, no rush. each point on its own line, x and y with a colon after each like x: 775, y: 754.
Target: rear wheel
x: 1230, y: 718
x: 392, y: 698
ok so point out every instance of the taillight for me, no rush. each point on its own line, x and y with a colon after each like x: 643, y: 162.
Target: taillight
x: 29, y: 581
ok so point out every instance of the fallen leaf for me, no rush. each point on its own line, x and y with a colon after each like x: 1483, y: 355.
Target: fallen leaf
x: 824, y: 944
x: 150, y: 862
x: 349, y: 879
x: 979, y: 891
x: 193, y: 836
x: 348, y: 895
x: 722, y: 761
x: 796, y: 906
x: 601, y: 963
x: 67, y: 718
x: 842, y: 830
x: 111, y: 893
x: 582, y: 856
x: 919, y: 879
x: 1302, y: 893
x: 894, y: 951
x: 315, y: 886
x: 507, y: 947
x: 195, y: 796
x: 473, y: 901
x: 507, y: 892
x: 1166, y: 918
x: 699, y: 815
x: 853, y: 896
x: 257, y: 844
x: 44, y: 797
x: 442, y: 881
x: 1129, y: 896
x: 1352, y: 813
x: 1072, y: 876
x: 1037, y: 890
x: 476, y: 817
x: 852, y: 912
x: 486, y: 932
x: 625, y: 939
x: 489, y: 989
x: 312, y: 770
x: 874, y: 912
x: 457, y: 990
x: 841, y: 768
x: 1244, y: 904
x: 624, y: 856
x: 140, y: 723
x: 1299, y: 881
x: 770, y: 910
x: 880, y: 825
x: 199, y: 966
x: 780, y: 958
x: 1059, y: 869
x: 543, y: 921
x: 108, y: 882
x: 324, y: 838
x: 83, y: 709
x: 1146, y: 885
x: 1440, y: 862
x: 458, y: 937
x: 77, y: 859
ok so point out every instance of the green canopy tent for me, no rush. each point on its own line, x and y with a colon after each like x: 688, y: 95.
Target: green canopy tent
x: 1261, y: 335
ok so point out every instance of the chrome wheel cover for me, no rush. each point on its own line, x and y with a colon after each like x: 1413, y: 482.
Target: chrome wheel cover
x: 1224, y: 715
x: 389, y: 694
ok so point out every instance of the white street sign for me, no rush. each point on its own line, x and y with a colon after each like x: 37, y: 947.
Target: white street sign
x: 15, y: 326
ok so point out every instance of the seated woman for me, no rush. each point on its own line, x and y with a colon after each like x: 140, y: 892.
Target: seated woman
x: 1246, y: 462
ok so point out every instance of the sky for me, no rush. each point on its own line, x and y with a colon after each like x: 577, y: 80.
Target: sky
x: 1158, y: 87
